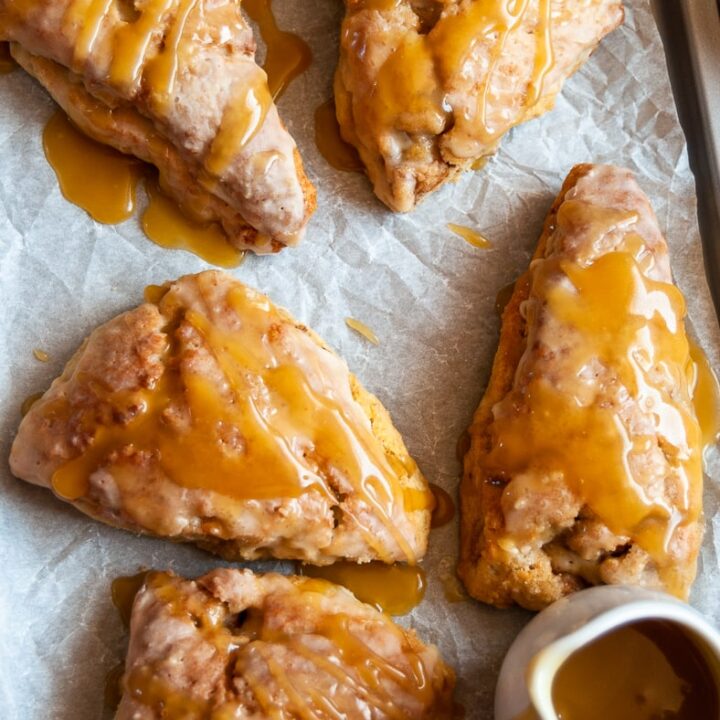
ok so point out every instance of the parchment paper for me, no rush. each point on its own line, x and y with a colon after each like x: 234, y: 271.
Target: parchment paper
x: 427, y: 294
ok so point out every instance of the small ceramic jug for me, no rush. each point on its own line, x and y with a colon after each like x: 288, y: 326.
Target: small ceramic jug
x: 527, y: 673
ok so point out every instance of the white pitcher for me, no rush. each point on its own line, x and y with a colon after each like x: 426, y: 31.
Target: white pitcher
x: 529, y: 668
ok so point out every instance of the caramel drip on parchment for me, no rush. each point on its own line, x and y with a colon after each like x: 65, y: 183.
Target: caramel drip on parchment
x: 362, y: 329
x: 97, y: 178
x: 288, y: 55
x: 470, y: 236
x: 444, y: 510
x: 274, y: 419
x: 166, y: 225
x: 111, y: 196
x: 28, y: 402
x: 706, y: 396
x: 123, y: 591
x: 338, y: 153
x: 631, y: 342
x: 395, y: 589
x: 347, y: 673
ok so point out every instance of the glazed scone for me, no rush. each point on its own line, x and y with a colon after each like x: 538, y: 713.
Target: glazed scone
x: 237, y: 645
x: 175, y: 83
x: 425, y: 89
x: 585, y: 464
x: 211, y: 416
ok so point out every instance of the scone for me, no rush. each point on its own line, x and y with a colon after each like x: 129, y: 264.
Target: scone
x: 425, y: 89
x: 211, y: 416
x: 237, y: 645
x: 175, y: 83
x: 585, y: 464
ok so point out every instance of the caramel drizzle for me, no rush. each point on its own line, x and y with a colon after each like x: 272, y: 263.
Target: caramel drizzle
x: 377, y: 676
x: 285, y: 415
x: 444, y: 48
x: 164, y: 68
x: 242, y: 118
x: 149, y: 48
x: 635, y: 334
x: 132, y: 42
x: 503, y: 26
x: 544, y: 58
x: 349, y: 662
x: 87, y: 16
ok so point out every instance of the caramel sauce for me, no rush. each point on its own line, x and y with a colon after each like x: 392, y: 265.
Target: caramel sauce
x: 642, y: 671
x: 40, y: 355
x: 123, y: 591
x: 277, y: 423
x: 7, y: 64
x: 144, y: 52
x: 338, y: 153
x: 444, y: 510
x: 706, y: 396
x: 528, y: 714
x: 351, y: 678
x: 394, y: 589
x: 161, y: 71
x: 109, y: 196
x: 113, y: 687
x: 287, y: 54
x: 503, y: 298
x: 472, y: 237
x: 130, y: 48
x: 166, y: 225
x: 242, y: 119
x: 99, y: 179
x: 413, y: 87
x: 635, y: 335
x: 154, y: 293
x: 453, y: 589
x: 29, y: 401
x: 362, y: 329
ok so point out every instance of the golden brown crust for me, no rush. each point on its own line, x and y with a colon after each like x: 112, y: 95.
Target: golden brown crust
x: 172, y: 87
x: 104, y: 389
x: 125, y: 129
x: 237, y: 644
x: 481, y: 514
x: 528, y: 534
x: 435, y: 133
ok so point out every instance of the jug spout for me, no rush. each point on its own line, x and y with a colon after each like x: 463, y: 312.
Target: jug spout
x: 617, y: 637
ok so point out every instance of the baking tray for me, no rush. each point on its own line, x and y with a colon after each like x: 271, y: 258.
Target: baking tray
x: 691, y: 35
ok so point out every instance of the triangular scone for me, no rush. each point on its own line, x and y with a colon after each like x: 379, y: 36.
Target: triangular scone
x: 427, y: 88
x: 212, y: 416
x: 232, y: 644
x: 585, y: 465
x: 175, y: 83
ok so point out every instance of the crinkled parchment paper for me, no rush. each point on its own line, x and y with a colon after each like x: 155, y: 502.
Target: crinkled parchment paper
x: 427, y: 294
